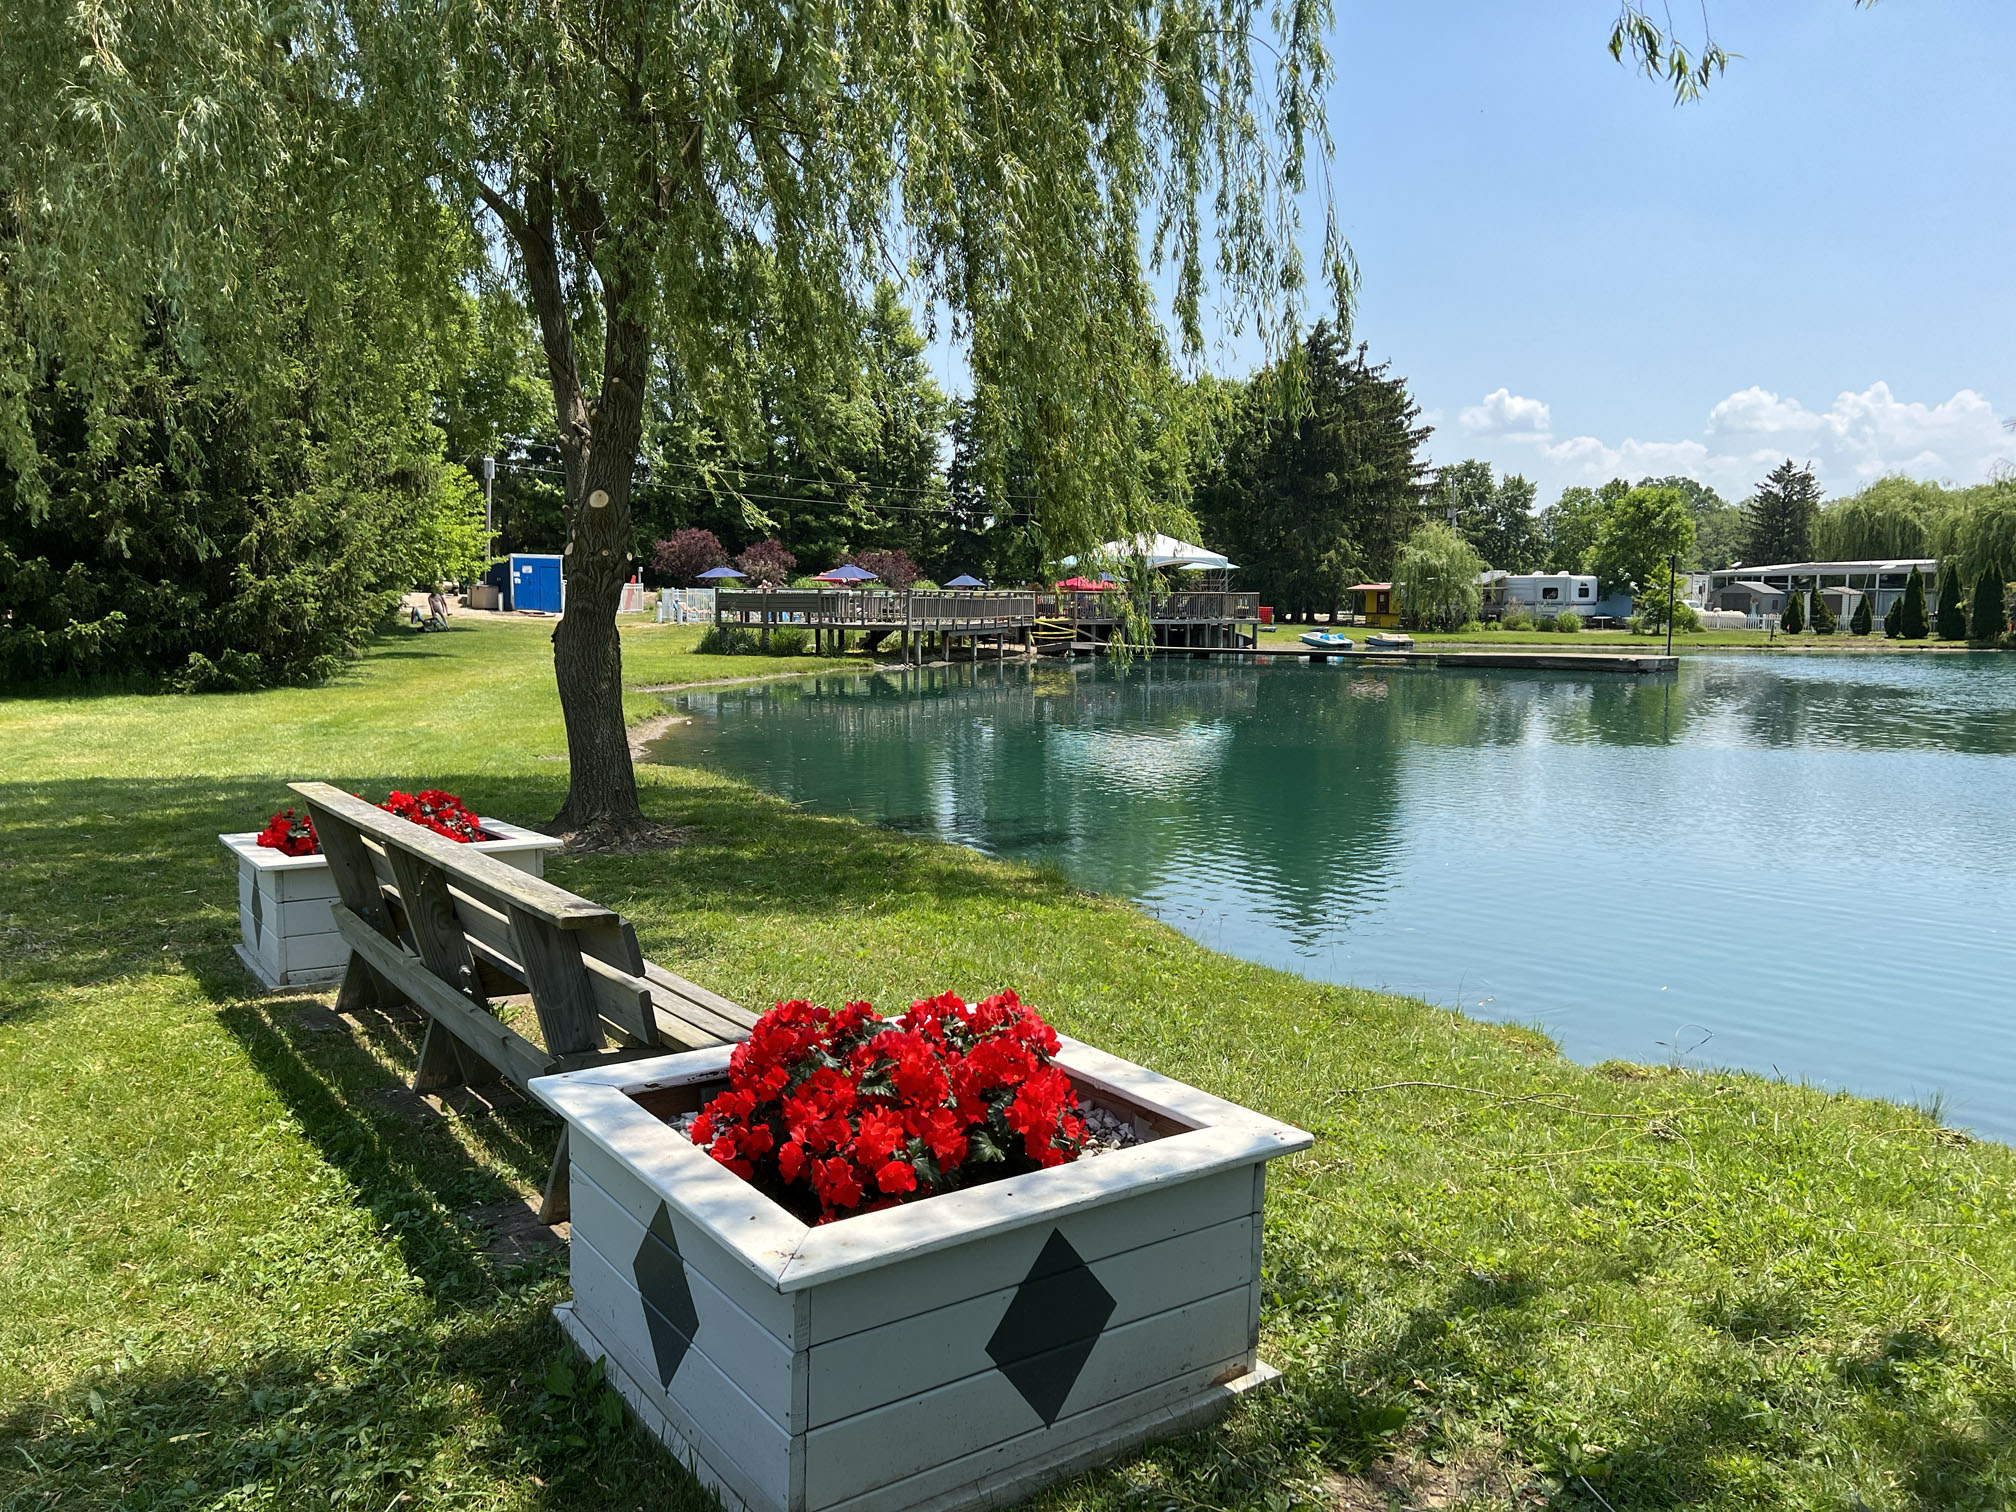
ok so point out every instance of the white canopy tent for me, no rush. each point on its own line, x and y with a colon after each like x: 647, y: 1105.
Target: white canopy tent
x: 1165, y: 551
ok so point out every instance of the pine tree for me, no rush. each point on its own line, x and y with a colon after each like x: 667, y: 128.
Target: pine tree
x: 1893, y: 618
x: 1825, y: 621
x: 1911, y: 621
x: 1778, y: 520
x: 1952, y: 617
x: 1863, y: 620
x: 1794, y: 618
x: 1988, y: 623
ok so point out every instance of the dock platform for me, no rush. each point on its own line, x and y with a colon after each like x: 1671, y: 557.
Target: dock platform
x: 1539, y: 661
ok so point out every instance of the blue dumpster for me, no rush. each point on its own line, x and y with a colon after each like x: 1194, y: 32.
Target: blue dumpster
x: 535, y: 584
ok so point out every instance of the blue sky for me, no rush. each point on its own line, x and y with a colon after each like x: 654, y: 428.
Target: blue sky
x: 1581, y: 280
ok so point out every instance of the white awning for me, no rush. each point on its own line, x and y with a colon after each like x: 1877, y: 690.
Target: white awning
x: 1165, y: 551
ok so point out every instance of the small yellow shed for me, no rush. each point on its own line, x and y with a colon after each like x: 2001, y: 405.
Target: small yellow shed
x: 1376, y: 605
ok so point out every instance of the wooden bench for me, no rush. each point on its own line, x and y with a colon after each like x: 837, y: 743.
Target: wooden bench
x: 445, y: 928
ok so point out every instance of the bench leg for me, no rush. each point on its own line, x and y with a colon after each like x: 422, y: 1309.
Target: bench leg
x: 553, y: 1207
x: 439, y: 1066
x: 365, y: 988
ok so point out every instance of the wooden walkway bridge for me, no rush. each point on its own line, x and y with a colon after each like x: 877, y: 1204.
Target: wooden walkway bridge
x: 1035, y: 621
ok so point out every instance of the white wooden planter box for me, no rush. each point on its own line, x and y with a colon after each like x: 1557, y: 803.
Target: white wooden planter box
x: 952, y: 1353
x: 286, y: 937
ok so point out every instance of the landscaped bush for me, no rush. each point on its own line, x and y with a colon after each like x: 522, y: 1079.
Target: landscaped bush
x: 727, y: 640
x: 1793, y: 620
x: 789, y: 642
x: 1893, y: 619
x: 1989, y: 618
x: 1518, y: 617
x: 1912, y: 622
x: 1567, y: 622
x: 1547, y: 622
x: 1825, y: 620
x: 1863, y: 620
x: 837, y: 1113
x: 1952, y: 616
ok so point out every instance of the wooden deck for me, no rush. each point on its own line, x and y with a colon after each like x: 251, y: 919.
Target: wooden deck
x: 1038, y: 621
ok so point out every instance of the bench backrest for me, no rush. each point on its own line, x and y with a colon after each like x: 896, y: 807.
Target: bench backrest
x: 485, y: 928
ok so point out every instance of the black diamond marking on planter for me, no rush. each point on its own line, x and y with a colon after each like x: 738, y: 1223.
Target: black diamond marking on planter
x: 1044, y: 1339
x: 668, y: 1300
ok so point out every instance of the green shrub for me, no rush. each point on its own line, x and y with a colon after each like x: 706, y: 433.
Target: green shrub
x: 1990, y: 617
x: 1893, y: 619
x: 1793, y: 620
x: 791, y: 641
x: 1863, y: 620
x: 1952, y: 616
x: 1518, y: 617
x: 1912, y: 622
x: 1825, y: 620
x: 1568, y: 622
x: 1547, y: 622
x: 730, y: 640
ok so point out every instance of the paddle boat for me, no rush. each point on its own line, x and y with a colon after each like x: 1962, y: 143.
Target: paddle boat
x: 1389, y: 642
x: 1328, y: 639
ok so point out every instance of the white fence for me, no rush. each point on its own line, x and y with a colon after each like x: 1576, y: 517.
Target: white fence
x: 685, y: 606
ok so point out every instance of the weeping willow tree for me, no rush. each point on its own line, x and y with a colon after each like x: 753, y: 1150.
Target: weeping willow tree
x: 659, y: 179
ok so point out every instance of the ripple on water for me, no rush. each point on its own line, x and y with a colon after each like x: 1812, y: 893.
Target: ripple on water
x: 1795, y: 865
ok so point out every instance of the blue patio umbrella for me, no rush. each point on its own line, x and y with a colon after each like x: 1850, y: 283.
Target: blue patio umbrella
x: 849, y: 573
x: 713, y: 573
x: 965, y: 580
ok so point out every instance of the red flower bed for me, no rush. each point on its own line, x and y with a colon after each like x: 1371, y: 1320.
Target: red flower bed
x: 838, y: 1113
x: 431, y: 808
x: 289, y: 835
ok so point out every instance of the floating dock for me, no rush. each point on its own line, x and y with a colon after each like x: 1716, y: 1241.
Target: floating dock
x: 1537, y: 661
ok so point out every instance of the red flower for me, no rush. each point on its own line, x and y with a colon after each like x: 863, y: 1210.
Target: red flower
x: 835, y: 1113
x: 289, y: 835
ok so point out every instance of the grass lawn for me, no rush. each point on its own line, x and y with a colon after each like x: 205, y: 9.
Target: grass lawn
x: 1624, y: 640
x: 238, y: 1273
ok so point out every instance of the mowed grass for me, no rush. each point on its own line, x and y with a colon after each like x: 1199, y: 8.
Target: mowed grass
x: 236, y: 1274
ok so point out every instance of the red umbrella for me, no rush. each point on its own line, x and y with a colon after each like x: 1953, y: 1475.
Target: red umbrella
x: 1084, y: 585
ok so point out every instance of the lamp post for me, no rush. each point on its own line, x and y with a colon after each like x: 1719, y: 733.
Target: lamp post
x: 1672, y: 574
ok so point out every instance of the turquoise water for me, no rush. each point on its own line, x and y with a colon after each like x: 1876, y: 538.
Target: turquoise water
x: 1801, y: 865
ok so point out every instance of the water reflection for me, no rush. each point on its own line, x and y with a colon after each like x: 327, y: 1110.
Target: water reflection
x: 1745, y: 847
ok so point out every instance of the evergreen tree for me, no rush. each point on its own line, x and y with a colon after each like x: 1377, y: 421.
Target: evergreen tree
x: 1494, y: 515
x: 1307, y: 507
x: 1863, y: 620
x: 1911, y: 620
x: 1952, y: 616
x: 1893, y: 618
x: 1793, y: 620
x: 1824, y: 619
x: 1779, y: 517
x: 1988, y: 623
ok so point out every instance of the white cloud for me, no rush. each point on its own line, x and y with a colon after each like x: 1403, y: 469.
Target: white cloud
x: 1861, y: 436
x: 1505, y: 413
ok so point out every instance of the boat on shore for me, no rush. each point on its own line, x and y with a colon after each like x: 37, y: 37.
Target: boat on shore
x: 1393, y: 642
x: 1328, y: 639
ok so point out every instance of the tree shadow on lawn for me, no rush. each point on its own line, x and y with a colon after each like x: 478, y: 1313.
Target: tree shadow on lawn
x: 470, y: 1406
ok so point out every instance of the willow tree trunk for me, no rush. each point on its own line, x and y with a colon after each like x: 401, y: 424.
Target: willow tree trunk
x: 587, y: 651
x: 599, y: 438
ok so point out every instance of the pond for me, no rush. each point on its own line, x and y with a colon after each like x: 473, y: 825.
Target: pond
x: 1802, y: 865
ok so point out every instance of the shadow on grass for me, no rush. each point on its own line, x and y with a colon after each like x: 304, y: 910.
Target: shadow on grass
x: 479, y: 1410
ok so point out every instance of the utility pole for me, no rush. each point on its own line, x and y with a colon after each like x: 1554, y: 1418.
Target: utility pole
x: 489, y: 500
x: 1672, y: 576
